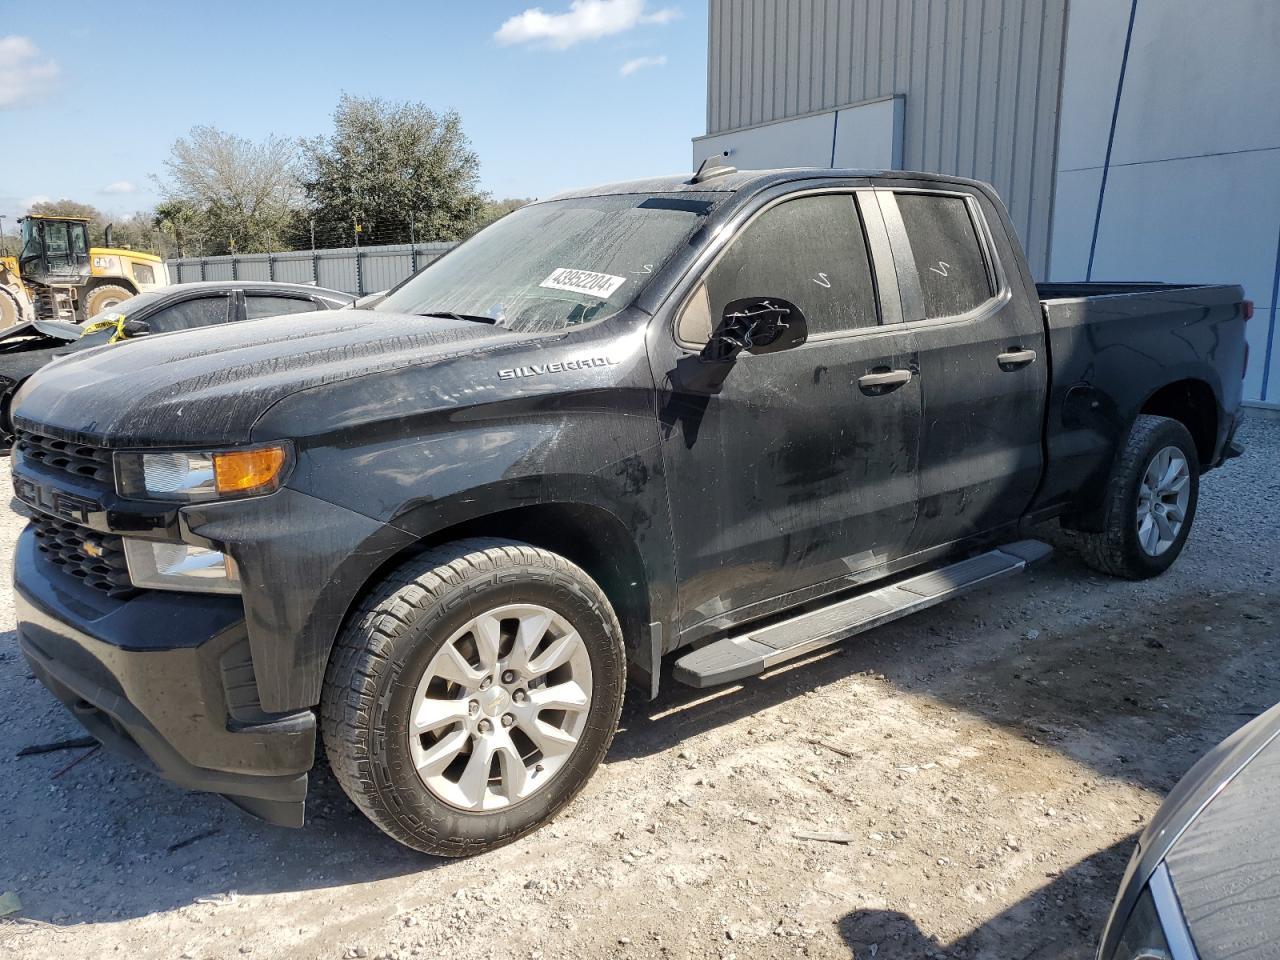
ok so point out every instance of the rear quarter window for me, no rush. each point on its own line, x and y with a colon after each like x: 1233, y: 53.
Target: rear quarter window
x: 948, y: 253
x: 267, y: 306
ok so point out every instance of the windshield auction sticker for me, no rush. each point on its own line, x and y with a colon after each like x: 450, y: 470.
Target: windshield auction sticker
x: 585, y: 282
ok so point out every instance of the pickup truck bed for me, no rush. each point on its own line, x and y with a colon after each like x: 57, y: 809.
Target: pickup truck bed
x: 1116, y: 349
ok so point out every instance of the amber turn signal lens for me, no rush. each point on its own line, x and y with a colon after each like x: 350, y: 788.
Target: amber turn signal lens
x: 242, y: 471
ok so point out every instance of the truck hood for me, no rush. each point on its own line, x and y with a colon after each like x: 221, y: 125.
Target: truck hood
x: 207, y: 387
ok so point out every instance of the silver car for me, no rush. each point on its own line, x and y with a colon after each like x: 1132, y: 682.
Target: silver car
x: 1205, y: 879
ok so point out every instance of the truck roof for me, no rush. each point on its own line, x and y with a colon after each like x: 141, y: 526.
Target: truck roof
x: 748, y: 180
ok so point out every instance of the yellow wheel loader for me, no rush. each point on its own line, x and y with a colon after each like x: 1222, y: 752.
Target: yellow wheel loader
x: 58, y: 276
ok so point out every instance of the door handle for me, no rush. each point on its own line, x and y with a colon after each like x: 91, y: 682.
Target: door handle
x: 1015, y: 359
x: 877, y: 384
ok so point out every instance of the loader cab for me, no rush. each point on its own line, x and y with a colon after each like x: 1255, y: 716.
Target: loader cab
x: 54, y: 250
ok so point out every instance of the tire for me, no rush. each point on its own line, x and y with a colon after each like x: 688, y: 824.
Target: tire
x: 102, y: 297
x: 10, y: 309
x: 391, y: 661
x: 1123, y: 547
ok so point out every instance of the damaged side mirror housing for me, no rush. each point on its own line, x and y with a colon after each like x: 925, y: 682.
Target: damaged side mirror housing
x: 755, y: 325
x: 748, y: 325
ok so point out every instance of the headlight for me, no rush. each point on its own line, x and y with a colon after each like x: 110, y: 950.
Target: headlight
x: 195, y: 477
x: 179, y: 566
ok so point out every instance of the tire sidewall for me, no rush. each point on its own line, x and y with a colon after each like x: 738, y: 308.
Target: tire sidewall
x: 109, y: 288
x: 395, y: 777
x: 1168, y: 434
x: 10, y: 310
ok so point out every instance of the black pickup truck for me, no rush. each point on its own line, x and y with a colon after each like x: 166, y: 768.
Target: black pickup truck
x: 738, y: 415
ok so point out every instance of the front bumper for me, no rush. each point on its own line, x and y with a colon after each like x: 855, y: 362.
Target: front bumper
x: 167, y: 679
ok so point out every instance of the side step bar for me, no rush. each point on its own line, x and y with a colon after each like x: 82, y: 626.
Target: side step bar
x: 734, y: 658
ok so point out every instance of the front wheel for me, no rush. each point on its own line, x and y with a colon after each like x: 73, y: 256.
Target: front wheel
x: 473, y: 695
x: 1150, y: 502
x: 11, y: 312
x: 103, y: 297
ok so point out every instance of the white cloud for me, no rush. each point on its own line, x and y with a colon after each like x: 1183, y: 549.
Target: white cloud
x: 31, y: 201
x: 120, y: 186
x: 640, y: 63
x: 24, y: 71
x: 585, y: 20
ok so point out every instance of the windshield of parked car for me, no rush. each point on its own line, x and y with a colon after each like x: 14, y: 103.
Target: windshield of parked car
x: 553, y: 265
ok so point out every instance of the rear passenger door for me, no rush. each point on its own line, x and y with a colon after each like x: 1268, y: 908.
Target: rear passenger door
x: 798, y: 476
x: 983, y: 366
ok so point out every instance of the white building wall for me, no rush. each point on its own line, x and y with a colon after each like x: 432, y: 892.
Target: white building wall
x: 1192, y: 186
x: 978, y: 82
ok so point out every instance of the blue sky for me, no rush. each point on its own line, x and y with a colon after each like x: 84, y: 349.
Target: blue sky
x: 554, y: 94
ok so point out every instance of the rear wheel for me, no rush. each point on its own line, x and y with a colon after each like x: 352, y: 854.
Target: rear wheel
x: 473, y: 695
x: 103, y: 297
x: 1150, y: 502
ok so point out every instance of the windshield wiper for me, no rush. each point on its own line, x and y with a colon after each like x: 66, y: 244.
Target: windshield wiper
x: 449, y: 315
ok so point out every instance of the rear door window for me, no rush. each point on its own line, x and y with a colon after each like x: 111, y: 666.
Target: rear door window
x: 198, y: 312
x: 947, y: 251
x: 261, y: 305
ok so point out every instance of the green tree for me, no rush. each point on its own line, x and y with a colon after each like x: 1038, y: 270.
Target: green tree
x: 66, y: 208
x: 399, y: 170
x: 493, y: 210
x: 245, y: 193
x: 182, y: 223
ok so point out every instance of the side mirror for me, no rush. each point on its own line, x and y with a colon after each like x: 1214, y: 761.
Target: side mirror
x: 755, y: 325
x: 752, y: 324
x: 135, y: 328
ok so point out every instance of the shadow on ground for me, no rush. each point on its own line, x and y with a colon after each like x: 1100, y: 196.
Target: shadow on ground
x: 1050, y: 924
x: 1136, y: 691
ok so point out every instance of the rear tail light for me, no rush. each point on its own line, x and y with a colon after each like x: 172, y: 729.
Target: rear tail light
x: 1247, y: 309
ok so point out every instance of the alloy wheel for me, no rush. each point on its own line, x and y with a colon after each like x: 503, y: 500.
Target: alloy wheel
x: 500, y: 708
x: 1163, y: 498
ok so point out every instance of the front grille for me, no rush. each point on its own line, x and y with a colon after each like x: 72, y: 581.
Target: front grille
x: 72, y: 549
x: 76, y: 459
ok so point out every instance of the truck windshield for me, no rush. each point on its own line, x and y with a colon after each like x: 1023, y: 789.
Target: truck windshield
x: 553, y: 265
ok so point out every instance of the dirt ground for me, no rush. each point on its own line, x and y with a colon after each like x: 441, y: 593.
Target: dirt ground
x: 992, y: 759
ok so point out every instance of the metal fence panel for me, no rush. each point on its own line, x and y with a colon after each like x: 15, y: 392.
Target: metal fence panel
x: 358, y: 271
x: 218, y: 268
x: 338, y: 273
x: 294, y: 268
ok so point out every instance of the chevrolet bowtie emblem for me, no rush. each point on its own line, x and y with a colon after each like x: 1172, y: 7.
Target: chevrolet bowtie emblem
x: 92, y: 549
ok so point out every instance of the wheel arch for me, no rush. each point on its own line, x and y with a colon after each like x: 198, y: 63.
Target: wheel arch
x: 585, y: 534
x: 1194, y: 403
x: 94, y: 282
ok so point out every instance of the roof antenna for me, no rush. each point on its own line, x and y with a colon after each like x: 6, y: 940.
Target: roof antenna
x: 714, y: 166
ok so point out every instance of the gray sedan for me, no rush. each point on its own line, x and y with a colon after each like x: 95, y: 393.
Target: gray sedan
x: 1205, y: 879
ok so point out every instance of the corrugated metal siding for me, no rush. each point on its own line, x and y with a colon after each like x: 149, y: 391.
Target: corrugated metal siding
x: 981, y: 80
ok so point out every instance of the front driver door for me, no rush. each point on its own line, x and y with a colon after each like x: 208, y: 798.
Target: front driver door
x: 799, y: 476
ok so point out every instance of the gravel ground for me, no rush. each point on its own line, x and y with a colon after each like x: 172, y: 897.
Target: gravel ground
x: 992, y: 758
